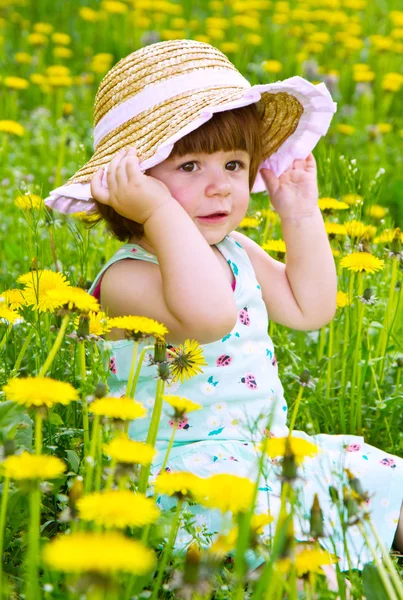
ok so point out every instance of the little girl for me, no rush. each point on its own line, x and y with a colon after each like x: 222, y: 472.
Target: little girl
x: 181, y: 140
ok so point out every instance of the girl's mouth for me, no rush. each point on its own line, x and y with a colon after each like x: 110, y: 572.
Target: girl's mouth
x: 214, y: 218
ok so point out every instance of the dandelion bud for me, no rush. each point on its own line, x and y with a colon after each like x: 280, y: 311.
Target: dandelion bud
x: 334, y: 494
x: 192, y: 565
x: 289, y: 472
x: 399, y: 362
x: 367, y: 294
x: 305, y: 377
x: 396, y: 245
x: 76, y: 491
x: 160, y: 354
x: 83, y: 329
x: 163, y: 371
x: 9, y: 447
x: 355, y: 484
x: 100, y: 390
x: 316, y: 519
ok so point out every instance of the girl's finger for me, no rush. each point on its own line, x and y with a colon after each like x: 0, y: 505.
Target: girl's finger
x: 111, y: 174
x: 98, y: 192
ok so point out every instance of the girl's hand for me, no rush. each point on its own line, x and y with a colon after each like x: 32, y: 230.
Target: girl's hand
x: 131, y: 193
x: 295, y: 193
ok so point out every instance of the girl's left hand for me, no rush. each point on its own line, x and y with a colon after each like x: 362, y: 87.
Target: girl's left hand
x: 295, y: 193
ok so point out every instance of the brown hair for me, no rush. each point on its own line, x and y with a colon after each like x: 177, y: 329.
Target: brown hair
x: 238, y: 129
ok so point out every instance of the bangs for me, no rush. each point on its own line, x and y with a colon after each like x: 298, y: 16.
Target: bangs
x: 238, y: 129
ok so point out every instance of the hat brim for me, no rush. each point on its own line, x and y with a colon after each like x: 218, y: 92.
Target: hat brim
x: 297, y: 114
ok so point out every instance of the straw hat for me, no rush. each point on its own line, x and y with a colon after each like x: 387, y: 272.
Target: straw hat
x: 160, y: 93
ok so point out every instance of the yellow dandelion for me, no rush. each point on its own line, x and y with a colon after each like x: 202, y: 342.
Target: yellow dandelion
x: 352, y: 199
x: 329, y: 204
x: 98, y: 324
x: 182, y: 484
x: 260, y: 521
x: 387, y: 236
x: 138, y: 327
x: 333, y: 229
x: 73, y: 298
x: 13, y: 298
x: 272, y: 66
x: 44, y: 28
x: 16, y: 83
x: 88, y: 14
x: 114, y: 7
x: 299, y: 447
x: 61, y: 38
x: 358, y: 229
x: 224, y: 543
x: 128, y: 451
x: 39, y: 391
x: 38, y: 284
x: 13, y: 127
x: 345, y: 129
x: 29, y: 202
x: 108, y: 552
x: 9, y: 316
x: 249, y: 223
x: 181, y: 405
x: 342, y: 299
x: 307, y: 560
x: 37, y: 39
x: 376, y: 211
x: 87, y: 217
x: 270, y: 216
x: 185, y: 360
x: 32, y: 466
x: 123, y: 408
x: 227, y: 493
x: 118, y: 508
x: 362, y: 261
x: 275, y: 246
x: 23, y: 58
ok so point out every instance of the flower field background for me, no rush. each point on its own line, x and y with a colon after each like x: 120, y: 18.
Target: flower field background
x: 70, y: 524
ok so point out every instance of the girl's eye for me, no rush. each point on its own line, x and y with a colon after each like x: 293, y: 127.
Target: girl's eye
x: 236, y: 162
x: 185, y: 165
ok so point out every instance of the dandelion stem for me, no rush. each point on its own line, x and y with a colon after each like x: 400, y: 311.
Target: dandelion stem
x: 90, y: 458
x: 38, y: 431
x: 84, y: 405
x: 171, y: 441
x: 22, y: 352
x: 385, y: 332
x: 355, y: 406
x: 152, y: 433
x: 329, y: 376
x: 138, y: 369
x: 3, y: 514
x: 5, y: 337
x: 55, y: 347
x: 32, y: 588
x: 167, y: 551
x: 132, y: 369
x: 388, y: 561
x: 381, y: 569
x: 296, y: 407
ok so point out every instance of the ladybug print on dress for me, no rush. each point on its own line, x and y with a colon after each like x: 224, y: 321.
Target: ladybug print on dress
x: 112, y: 365
x: 274, y: 361
x: 388, y: 462
x: 353, y: 447
x: 244, y: 316
x: 250, y: 381
x: 223, y: 361
x: 182, y: 424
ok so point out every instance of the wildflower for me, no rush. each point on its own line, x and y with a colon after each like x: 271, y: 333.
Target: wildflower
x: 327, y: 205
x: 38, y: 284
x: 13, y: 127
x: 333, y: 229
x: 122, y: 408
x: 249, y: 223
x: 342, y: 299
x: 352, y: 199
x: 61, y: 38
x: 28, y: 466
x: 395, y: 250
x: 185, y: 360
x: 128, y: 451
x: 73, y: 298
x: 88, y: 14
x: 108, y: 552
x: 345, y: 129
x: 23, y: 58
x: 28, y: 202
x: 275, y: 246
x: 272, y: 66
x: 179, y: 484
x: 307, y: 560
x: 227, y: 493
x: 137, y: 328
x: 114, y: 7
x: 367, y: 297
x: 8, y: 316
x: 275, y: 447
x: 118, y: 508
x: 39, y: 391
x: 45, y: 28
x: 13, y: 298
x: 358, y: 229
x: 377, y: 211
x: 224, y: 543
x: 181, y: 406
x: 98, y: 323
x: 362, y: 261
x: 16, y: 83
x: 37, y: 39
x: 387, y: 236
x: 306, y: 380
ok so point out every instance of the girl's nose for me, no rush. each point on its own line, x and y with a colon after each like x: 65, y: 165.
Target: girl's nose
x: 218, y: 183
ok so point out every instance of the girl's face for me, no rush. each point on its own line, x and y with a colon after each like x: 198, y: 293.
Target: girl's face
x: 207, y: 184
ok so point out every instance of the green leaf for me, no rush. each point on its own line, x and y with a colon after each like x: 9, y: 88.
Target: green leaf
x: 55, y: 419
x: 373, y: 586
x: 15, y: 423
x: 73, y: 459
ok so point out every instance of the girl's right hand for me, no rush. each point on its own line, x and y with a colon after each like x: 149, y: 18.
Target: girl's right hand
x: 130, y: 192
